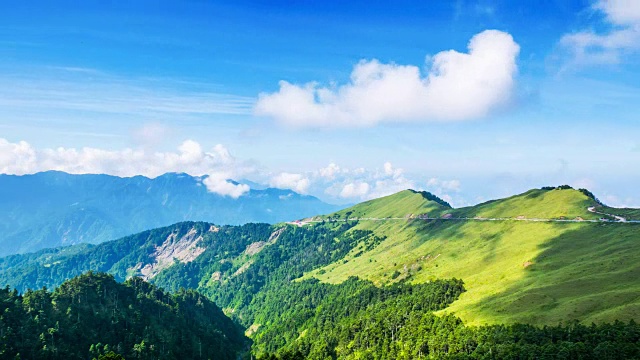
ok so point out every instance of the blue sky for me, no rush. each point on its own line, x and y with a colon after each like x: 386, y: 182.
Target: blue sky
x: 376, y: 96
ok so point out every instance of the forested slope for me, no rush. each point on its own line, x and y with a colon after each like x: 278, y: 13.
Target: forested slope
x: 92, y: 315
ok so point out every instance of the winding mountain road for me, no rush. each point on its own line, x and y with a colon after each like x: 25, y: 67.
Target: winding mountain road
x: 618, y: 219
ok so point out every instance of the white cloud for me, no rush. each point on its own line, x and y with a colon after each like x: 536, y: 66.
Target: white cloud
x: 217, y: 167
x: 352, y: 190
x: 296, y: 182
x: 330, y: 171
x: 458, y: 86
x: 621, y: 11
x: 361, y: 183
x: 222, y: 186
x: 589, y: 47
x: 17, y: 158
x: 22, y: 158
x: 390, y: 171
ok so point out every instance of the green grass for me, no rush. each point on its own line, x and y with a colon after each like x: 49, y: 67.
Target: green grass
x: 542, y: 204
x: 514, y: 271
x: 400, y: 204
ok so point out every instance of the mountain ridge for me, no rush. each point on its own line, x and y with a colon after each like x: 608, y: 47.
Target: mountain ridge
x: 55, y: 208
x: 403, y: 275
x: 403, y: 237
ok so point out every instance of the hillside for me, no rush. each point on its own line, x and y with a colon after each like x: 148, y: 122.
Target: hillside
x: 401, y: 204
x: 144, y: 254
x: 53, y: 209
x: 537, y: 258
x: 514, y: 270
x: 93, y: 315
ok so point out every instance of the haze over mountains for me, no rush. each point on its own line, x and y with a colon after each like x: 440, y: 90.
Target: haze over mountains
x: 53, y: 208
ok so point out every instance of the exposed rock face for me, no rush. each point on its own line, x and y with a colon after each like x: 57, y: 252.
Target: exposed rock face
x: 184, y: 250
x: 242, y: 268
x: 275, y: 235
x: 255, y: 248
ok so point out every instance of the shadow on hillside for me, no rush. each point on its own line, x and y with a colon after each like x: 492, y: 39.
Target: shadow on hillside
x: 457, y: 231
x: 587, y: 274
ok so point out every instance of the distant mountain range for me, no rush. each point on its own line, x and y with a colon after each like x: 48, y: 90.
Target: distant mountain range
x: 52, y: 208
x: 368, y: 279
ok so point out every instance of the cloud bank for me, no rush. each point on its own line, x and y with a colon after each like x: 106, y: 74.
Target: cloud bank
x: 589, y: 47
x: 364, y: 184
x: 458, y: 86
x: 218, y: 164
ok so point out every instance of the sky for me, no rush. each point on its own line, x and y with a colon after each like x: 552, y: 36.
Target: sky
x: 347, y: 101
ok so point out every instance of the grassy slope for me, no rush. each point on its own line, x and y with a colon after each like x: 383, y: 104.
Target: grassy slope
x: 531, y: 272
x: 536, y: 203
x: 400, y: 204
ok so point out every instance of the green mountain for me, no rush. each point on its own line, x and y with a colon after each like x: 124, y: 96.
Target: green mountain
x: 548, y: 256
x: 93, y: 316
x: 515, y: 270
x: 52, y: 208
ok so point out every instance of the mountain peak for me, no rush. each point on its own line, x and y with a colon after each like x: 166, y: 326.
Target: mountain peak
x: 401, y: 204
x: 545, y: 203
x: 431, y: 197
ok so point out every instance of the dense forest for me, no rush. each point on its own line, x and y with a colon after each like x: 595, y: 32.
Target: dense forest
x: 356, y: 320
x: 93, y: 316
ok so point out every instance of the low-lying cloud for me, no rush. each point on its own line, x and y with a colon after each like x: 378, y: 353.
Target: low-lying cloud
x: 296, y: 182
x: 217, y: 163
x: 458, y: 86
x: 217, y: 167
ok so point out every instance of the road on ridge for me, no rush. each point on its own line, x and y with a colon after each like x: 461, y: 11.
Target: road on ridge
x: 619, y: 219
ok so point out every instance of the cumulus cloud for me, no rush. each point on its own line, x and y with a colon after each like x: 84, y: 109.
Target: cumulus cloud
x: 389, y: 170
x: 362, y: 183
x: 296, y: 182
x: 622, y: 12
x: 215, y: 167
x: 457, y: 86
x: 330, y: 171
x: 589, y: 47
x: 221, y: 185
x: 217, y: 164
x: 352, y: 190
